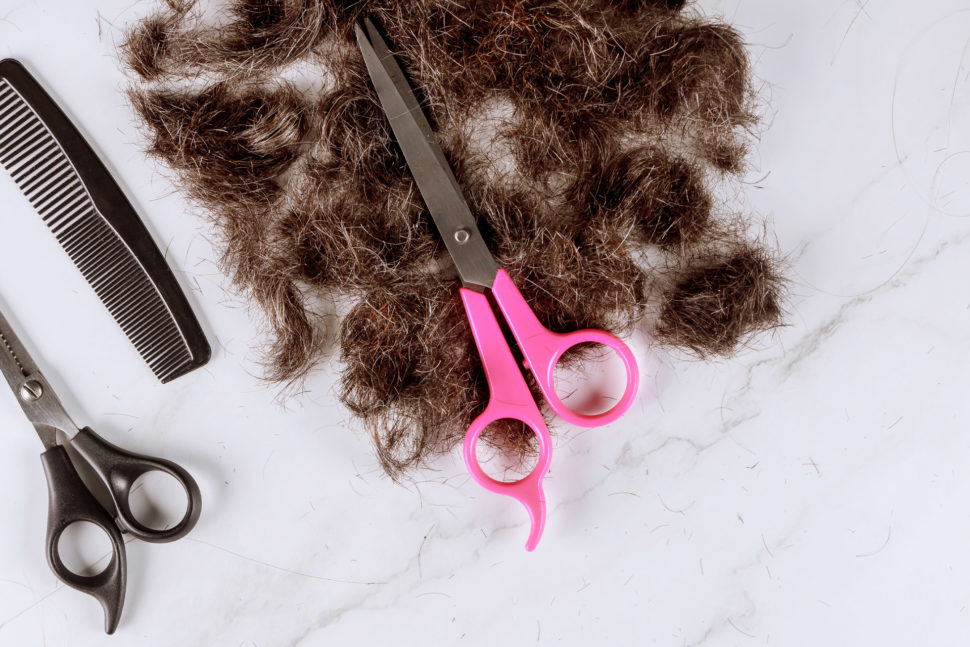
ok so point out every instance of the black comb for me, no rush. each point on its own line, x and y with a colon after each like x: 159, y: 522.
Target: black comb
x: 92, y: 219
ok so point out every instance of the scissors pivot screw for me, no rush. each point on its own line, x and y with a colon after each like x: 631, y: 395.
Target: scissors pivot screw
x: 31, y: 391
x: 462, y: 236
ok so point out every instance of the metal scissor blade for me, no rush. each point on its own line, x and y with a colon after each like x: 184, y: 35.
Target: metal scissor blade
x: 427, y: 162
x: 35, y: 395
x: 15, y: 362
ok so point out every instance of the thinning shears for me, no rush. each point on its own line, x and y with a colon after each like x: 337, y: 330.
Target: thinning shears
x: 481, y: 276
x: 69, y: 500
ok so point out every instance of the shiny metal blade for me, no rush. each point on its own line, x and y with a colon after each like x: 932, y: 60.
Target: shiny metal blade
x: 427, y: 162
x: 35, y: 395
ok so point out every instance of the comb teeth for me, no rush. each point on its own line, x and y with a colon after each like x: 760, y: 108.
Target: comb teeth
x: 47, y: 177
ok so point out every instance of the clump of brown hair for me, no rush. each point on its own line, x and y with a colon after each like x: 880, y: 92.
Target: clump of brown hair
x: 348, y: 239
x: 664, y: 198
x: 396, y: 344
x: 258, y: 36
x: 718, y: 303
x: 587, y: 136
x: 232, y: 142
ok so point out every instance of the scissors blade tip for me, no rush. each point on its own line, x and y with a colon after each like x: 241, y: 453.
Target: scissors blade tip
x: 372, y: 29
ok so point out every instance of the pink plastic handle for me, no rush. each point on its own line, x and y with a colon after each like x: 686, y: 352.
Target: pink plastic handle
x: 542, y: 349
x: 510, y: 398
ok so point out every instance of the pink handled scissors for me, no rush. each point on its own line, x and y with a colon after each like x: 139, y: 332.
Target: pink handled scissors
x: 510, y: 396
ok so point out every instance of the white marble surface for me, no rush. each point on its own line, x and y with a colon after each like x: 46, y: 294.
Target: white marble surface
x: 813, y: 491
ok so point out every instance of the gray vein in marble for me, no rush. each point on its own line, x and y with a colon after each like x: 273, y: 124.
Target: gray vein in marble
x: 791, y: 359
x: 281, y: 569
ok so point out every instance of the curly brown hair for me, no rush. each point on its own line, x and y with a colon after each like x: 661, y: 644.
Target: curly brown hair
x: 587, y: 135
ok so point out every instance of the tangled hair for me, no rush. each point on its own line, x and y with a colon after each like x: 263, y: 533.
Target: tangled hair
x: 234, y: 143
x: 259, y: 35
x: 587, y: 135
x: 663, y: 198
x: 713, y: 307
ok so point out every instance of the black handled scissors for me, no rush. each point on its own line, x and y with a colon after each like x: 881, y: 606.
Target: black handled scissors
x: 70, y: 501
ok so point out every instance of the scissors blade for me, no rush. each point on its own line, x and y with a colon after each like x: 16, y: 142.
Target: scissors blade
x: 427, y: 162
x: 15, y: 363
x: 36, y: 397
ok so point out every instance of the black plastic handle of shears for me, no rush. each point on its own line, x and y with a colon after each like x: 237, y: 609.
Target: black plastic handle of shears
x: 71, y: 502
x: 119, y: 469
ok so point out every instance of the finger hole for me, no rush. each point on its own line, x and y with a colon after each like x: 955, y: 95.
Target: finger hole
x: 157, y: 500
x: 590, y: 378
x: 507, y: 450
x: 84, y: 548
